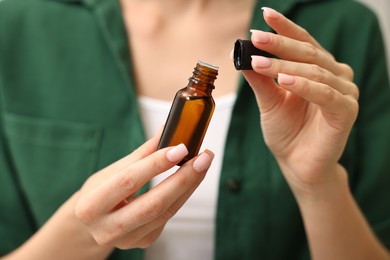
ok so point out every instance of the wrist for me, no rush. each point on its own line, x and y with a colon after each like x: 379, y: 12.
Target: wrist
x: 65, y: 226
x: 312, y: 187
x: 334, y: 225
x: 62, y: 237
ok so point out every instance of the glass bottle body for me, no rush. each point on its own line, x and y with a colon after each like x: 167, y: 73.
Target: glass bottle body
x: 189, y: 117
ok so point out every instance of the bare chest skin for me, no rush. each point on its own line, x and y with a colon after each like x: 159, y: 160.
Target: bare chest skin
x: 167, y: 38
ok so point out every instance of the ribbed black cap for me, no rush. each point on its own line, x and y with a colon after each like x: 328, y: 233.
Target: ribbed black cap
x: 243, y: 50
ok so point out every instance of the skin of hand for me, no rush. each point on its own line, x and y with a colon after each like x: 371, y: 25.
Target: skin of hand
x: 110, y: 213
x: 62, y: 237
x: 307, y: 116
x: 116, y: 216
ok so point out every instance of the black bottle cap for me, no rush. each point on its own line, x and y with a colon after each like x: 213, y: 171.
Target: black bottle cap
x: 243, y: 50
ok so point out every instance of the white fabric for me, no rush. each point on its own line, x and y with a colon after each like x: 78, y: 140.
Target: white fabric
x: 190, y: 233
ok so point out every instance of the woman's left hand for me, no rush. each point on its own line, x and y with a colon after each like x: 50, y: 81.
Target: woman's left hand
x: 307, y: 116
x: 306, y: 119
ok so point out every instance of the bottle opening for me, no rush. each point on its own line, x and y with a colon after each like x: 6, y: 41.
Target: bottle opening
x: 204, y: 64
x: 204, y: 73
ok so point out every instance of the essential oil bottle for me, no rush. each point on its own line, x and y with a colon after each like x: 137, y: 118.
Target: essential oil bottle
x: 191, y: 111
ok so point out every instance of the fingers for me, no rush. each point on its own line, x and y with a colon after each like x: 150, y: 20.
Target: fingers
x: 302, y: 56
x: 120, y: 186
x: 267, y: 92
x: 329, y: 100
x: 294, y: 50
x: 272, y: 67
x: 294, y: 43
x: 159, y: 199
x: 287, y: 28
x: 146, y: 234
x: 135, y: 223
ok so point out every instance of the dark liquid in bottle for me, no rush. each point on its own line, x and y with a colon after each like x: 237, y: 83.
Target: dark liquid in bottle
x: 187, y: 123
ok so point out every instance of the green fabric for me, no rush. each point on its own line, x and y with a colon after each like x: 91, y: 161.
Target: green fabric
x: 68, y: 108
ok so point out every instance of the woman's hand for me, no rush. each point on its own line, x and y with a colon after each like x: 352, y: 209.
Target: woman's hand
x: 306, y: 118
x: 112, y: 212
x: 114, y: 216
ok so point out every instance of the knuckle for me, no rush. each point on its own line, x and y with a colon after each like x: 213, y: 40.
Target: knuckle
x: 351, y: 109
x: 311, y: 51
x: 159, y: 160
x: 108, y: 234
x: 120, y: 228
x: 278, y: 65
x: 355, y: 108
x: 328, y: 95
x: 318, y: 74
x: 101, y: 241
x: 347, y: 71
x: 184, y: 180
x: 355, y: 91
x: 304, y: 33
x: 330, y: 55
x: 84, y: 212
x: 152, y: 209
x: 159, y: 164
x: 104, y: 238
x: 303, y: 86
x: 169, y: 213
x: 280, y: 43
x: 126, y: 182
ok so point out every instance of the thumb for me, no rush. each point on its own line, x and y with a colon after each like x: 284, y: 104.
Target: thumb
x: 267, y: 92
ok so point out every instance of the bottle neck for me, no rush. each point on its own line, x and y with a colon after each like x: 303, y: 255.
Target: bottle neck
x: 207, y: 89
x: 203, y: 77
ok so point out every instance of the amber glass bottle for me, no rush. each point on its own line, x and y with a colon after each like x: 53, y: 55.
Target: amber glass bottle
x: 191, y: 111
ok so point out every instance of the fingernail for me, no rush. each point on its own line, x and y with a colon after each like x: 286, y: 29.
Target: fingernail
x: 177, y: 153
x: 285, y: 79
x: 271, y: 13
x: 231, y: 54
x: 203, y: 161
x: 261, y: 62
x: 260, y: 36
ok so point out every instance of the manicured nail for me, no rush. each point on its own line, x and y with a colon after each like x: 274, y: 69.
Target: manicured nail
x: 261, y: 62
x: 177, y: 153
x: 271, y: 13
x: 203, y: 161
x: 260, y: 36
x: 285, y: 79
x: 231, y: 54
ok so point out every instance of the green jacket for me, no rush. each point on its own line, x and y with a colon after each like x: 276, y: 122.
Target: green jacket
x: 68, y: 108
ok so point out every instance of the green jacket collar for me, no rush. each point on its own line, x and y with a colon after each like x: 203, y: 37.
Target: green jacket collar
x: 281, y: 6
x: 119, y: 46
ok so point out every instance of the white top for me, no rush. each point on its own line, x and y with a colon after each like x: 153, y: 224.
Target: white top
x: 190, y: 233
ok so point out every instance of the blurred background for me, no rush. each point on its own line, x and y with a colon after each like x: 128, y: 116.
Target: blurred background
x: 382, y: 8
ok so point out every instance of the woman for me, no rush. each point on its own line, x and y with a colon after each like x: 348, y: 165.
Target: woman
x: 70, y: 89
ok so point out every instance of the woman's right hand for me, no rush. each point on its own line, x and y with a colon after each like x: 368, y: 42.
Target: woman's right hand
x: 112, y: 212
